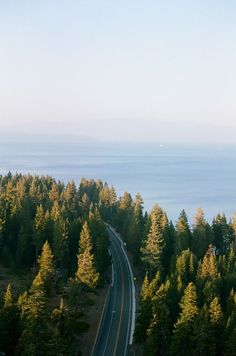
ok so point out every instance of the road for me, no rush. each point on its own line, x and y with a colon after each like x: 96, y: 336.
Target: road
x: 117, y: 322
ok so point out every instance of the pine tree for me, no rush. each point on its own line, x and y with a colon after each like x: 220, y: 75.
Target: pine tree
x: 99, y: 233
x: 183, y: 234
x: 9, y: 324
x: 135, y: 228
x: 8, y: 297
x: 153, y: 249
x: 155, y: 284
x: 2, y: 225
x: 183, y: 341
x: 208, y: 278
x: 233, y: 225
x: 54, y: 193
x: 202, y: 235
x: 56, y: 211
x: 215, y: 328
x: 35, y: 335
x: 208, y: 268
x: 85, y: 241
x: 230, y: 345
x: 61, y: 242
x: 222, y: 234
x: 200, y: 334
x: 159, y: 331
x: 185, y: 266
x: 125, y: 213
x: 144, y: 312
x: 86, y: 272
x: 39, y: 227
x: 46, y: 272
x: 24, y: 251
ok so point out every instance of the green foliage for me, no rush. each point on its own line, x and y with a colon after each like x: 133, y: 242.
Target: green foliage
x: 9, y: 323
x: 145, y: 312
x: 46, y: 273
x: 158, y: 334
x: 61, y: 242
x: 183, y: 341
x: 202, y: 235
x: 185, y: 267
x: 183, y: 234
x: 222, y: 233
x: 100, y: 244
x: 86, y: 272
x: 8, y: 297
x: 153, y: 249
x: 39, y: 216
x: 187, y: 300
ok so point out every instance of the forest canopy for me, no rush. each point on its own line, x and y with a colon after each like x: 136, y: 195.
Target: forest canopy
x: 56, y: 234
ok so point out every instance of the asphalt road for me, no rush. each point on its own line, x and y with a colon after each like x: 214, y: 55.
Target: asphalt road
x: 115, y: 332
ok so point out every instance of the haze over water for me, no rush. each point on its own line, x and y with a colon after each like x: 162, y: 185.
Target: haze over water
x: 174, y: 176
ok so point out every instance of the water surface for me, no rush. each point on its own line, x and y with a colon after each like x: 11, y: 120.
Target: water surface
x: 175, y: 176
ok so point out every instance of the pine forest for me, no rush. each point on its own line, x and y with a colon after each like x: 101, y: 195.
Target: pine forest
x: 54, y: 256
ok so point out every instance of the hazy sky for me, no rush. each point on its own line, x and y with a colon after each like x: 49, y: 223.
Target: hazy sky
x: 125, y: 69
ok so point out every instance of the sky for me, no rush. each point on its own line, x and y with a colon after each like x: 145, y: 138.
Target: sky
x: 119, y: 70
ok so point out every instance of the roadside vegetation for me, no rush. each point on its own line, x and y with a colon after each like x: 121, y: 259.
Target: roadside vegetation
x: 54, y: 258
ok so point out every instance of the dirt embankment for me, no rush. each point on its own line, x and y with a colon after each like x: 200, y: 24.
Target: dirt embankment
x: 93, y: 318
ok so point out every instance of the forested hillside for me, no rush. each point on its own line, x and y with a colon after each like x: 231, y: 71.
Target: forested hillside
x: 187, y: 302
x: 55, y: 235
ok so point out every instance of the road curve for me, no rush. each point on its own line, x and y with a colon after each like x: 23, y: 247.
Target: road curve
x: 117, y: 323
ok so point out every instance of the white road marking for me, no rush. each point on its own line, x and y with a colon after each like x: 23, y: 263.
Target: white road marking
x: 133, y: 288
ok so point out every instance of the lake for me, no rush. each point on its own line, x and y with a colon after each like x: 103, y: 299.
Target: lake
x: 174, y: 176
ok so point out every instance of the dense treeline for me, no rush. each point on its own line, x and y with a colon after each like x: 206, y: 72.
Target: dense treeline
x: 187, y: 300
x: 35, y: 209
x: 56, y: 233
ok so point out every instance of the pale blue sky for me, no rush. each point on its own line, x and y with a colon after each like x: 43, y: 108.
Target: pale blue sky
x: 138, y: 70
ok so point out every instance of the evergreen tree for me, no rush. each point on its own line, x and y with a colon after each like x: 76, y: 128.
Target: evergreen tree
x: 9, y: 324
x: 155, y: 284
x: 86, y: 272
x: 222, y: 234
x: 85, y: 241
x: 183, y: 341
x: 233, y: 225
x: 35, y: 335
x: 61, y: 242
x: 159, y: 331
x: 153, y: 249
x: 202, y: 235
x: 46, y: 272
x: 215, y: 330
x: 185, y: 268
x: 144, y: 312
x: 183, y: 234
x: 208, y: 277
x: 208, y: 268
x: 39, y: 227
x: 100, y: 243
x: 230, y: 330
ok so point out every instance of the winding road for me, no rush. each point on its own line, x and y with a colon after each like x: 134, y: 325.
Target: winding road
x: 117, y: 323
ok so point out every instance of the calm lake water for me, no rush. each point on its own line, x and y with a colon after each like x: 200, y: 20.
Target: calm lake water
x: 174, y: 176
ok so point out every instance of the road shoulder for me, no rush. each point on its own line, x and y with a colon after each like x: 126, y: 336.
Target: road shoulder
x: 93, y: 318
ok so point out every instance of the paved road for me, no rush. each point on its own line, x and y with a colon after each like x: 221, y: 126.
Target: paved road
x: 116, y: 328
